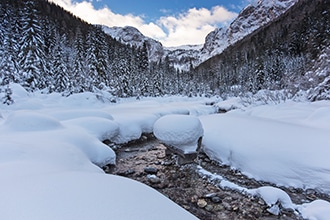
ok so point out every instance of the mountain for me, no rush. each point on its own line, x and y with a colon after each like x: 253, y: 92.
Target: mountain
x: 177, y: 56
x: 254, y: 16
x: 45, y: 48
x: 249, y: 19
x: 290, y: 53
x: 133, y: 37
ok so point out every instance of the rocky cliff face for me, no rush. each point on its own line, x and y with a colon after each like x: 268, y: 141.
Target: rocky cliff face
x: 249, y: 19
x: 132, y: 36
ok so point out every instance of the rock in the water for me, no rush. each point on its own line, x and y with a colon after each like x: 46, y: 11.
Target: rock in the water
x: 201, y: 203
x: 209, y: 208
x: 181, y: 131
x: 153, y: 179
x: 216, y: 199
x: 151, y: 170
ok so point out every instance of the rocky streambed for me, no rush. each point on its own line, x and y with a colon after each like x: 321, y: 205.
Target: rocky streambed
x: 145, y: 161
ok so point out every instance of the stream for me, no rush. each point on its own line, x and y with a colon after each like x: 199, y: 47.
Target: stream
x: 145, y: 161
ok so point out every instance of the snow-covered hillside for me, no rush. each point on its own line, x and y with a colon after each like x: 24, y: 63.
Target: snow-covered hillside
x: 249, y: 19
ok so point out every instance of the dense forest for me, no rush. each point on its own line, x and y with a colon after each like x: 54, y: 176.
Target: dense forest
x: 291, y: 53
x: 46, y: 48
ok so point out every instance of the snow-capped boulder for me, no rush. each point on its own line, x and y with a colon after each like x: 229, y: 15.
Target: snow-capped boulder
x: 274, y: 197
x: 181, y: 131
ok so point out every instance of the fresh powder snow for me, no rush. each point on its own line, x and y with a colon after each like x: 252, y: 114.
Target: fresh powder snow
x: 181, y: 131
x: 51, y: 152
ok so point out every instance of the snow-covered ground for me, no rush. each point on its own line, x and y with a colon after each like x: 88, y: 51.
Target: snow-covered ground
x: 51, y: 150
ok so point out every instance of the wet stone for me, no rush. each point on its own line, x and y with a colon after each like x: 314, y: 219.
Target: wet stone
x: 218, y: 208
x: 227, y: 206
x: 209, y: 208
x: 129, y: 172
x: 201, y: 203
x: 153, y: 179
x: 151, y: 170
x: 167, y: 163
x: 216, y: 199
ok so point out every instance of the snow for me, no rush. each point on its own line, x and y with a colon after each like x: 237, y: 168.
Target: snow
x: 270, y: 147
x: 51, y: 152
x: 316, y: 210
x: 182, y: 131
x: 80, y: 195
x: 101, y: 128
x: 272, y: 196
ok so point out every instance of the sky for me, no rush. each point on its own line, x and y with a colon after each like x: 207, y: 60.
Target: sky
x: 172, y: 22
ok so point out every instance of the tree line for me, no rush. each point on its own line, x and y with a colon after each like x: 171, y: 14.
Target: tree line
x: 46, y: 48
x: 287, y: 54
x: 43, y: 47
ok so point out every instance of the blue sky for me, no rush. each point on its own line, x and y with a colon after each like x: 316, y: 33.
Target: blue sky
x: 172, y: 22
x: 153, y: 9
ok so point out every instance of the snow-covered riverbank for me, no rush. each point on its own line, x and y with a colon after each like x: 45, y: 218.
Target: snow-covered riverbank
x: 49, y: 146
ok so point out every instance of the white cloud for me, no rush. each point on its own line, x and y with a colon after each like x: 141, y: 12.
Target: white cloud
x: 190, y: 27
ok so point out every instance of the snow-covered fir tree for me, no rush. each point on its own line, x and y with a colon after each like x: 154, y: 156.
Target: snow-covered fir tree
x: 31, y: 56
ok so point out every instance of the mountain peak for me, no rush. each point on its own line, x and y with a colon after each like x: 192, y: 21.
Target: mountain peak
x: 132, y: 36
x: 252, y: 17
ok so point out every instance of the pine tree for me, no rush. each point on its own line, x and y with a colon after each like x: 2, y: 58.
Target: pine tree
x: 80, y: 69
x: 59, y: 68
x: 31, y: 54
x: 8, y: 45
x: 7, y: 99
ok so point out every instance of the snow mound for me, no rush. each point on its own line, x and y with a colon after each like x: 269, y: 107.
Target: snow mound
x: 79, y: 113
x: 31, y: 121
x: 84, y: 196
x: 273, y: 196
x: 182, y: 131
x: 132, y: 125
x: 103, y: 129
x: 97, y: 152
x: 18, y: 91
x: 264, y: 148
x: 318, y: 210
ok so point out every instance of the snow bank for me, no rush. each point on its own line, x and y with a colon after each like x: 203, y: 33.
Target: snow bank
x: 103, y: 129
x: 316, y: 210
x: 80, y: 195
x: 38, y: 131
x: 182, y: 131
x: 50, y: 146
x: 273, y: 196
x: 277, y: 150
x: 80, y: 113
x: 51, y: 153
x: 132, y: 125
x: 31, y: 121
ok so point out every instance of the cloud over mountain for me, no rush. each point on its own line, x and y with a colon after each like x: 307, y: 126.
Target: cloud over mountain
x: 189, y: 27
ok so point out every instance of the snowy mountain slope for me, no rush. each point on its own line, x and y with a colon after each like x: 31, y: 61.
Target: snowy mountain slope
x: 252, y: 17
x: 178, y: 56
x: 132, y: 36
x: 183, y: 57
